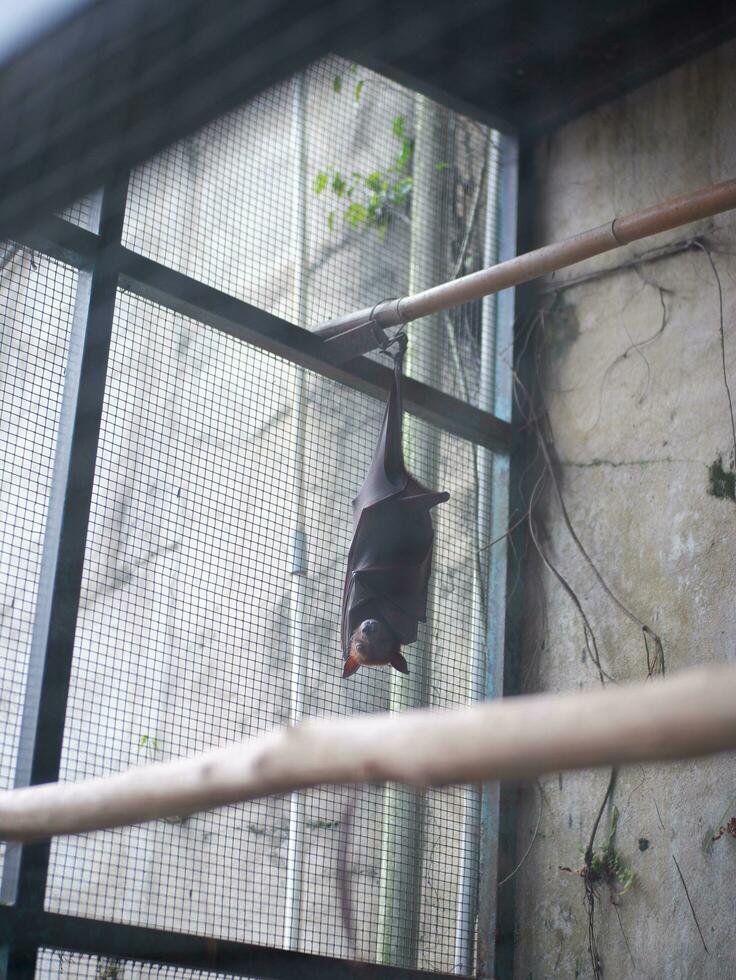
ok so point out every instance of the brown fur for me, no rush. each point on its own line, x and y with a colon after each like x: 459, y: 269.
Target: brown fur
x: 373, y: 644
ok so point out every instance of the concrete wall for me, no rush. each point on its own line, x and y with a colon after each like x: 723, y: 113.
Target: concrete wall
x: 634, y: 386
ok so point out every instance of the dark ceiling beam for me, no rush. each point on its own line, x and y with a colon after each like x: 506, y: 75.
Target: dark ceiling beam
x: 540, y: 64
x: 118, y: 82
x: 664, y: 37
x: 486, y: 64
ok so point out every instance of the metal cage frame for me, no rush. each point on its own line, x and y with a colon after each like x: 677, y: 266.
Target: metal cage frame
x: 104, y: 265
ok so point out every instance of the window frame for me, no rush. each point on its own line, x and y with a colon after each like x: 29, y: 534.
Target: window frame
x: 104, y: 266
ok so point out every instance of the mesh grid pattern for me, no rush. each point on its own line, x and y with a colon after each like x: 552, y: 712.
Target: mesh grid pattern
x: 183, y: 637
x: 224, y: 206
x: 55, y: 963
x: 36, y: 307
x: 82, y: 213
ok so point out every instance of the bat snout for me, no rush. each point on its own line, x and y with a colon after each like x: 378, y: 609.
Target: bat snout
x: 373, y: 645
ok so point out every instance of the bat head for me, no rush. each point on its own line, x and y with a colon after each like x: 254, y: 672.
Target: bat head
x: 373, y: 644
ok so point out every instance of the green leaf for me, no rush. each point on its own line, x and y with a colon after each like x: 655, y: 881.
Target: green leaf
x: 374, y: 181
x: 337, y: 83
x: 355, y: 214
x: 338, y: 184
x: 382, y: 230
x: 331, y: 220
x: 401, y: 190
x: 398, y: 126
x: 441, y: 166
x: 626, y: 878
x: 144, y: 740
x: 358, y: 89
x: 353, y: 69
x: 407, y: 148
x: 320, y: 182
x: 373, y: 212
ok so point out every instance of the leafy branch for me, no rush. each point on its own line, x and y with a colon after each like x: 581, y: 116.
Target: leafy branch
x: 371, y: 199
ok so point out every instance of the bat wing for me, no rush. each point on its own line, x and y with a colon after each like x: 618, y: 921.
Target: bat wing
x: 387, y: 475
x: 390, y: 558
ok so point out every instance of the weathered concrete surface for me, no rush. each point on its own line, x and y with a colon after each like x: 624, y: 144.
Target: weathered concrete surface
x: 639, y: 412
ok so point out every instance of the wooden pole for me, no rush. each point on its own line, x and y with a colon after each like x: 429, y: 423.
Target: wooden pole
x: 623, y: 230
x: 619, y: 231
x: 688, y: 715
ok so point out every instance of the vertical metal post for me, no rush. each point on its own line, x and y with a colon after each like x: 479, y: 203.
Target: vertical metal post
x: 404, y: 808
x: 467, y: 894
x: 297, y: 638
x: 52, y: 643
x: 499, y: 518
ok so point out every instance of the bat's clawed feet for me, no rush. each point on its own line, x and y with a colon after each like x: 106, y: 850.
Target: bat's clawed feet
x: 399, y: 340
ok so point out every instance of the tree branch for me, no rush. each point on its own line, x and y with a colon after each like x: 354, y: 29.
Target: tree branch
x: 689, y: 715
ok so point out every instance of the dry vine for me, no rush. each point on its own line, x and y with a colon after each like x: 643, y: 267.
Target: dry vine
x: 545, y: 468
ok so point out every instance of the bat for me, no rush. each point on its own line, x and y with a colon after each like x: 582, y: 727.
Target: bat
x: 390, y: 557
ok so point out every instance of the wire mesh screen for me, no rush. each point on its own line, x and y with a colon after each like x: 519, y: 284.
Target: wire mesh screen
x: 36, y: 307
x: 389, y: 190
x: 185, y: 641
x: 55, y: 963
x: 84, y: 212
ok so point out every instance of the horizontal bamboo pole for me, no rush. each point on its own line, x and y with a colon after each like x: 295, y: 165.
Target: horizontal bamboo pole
x: 619, y: 231
x: 691, y: 714
x: 673, y: 213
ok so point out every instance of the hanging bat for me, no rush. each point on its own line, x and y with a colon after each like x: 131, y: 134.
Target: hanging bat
x: 390, y: 558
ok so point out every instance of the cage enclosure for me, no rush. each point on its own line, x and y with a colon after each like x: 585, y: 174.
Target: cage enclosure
x: 209, y: 590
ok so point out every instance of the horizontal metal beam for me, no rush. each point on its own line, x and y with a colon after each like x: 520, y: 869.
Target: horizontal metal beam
x: 182, y: 294
x: 60, y: 239
x: 30, y: 930
x: 232, y: 316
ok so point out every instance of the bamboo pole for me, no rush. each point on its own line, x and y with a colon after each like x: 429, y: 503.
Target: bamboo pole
x: 685, y: 716
x: 669, y: 214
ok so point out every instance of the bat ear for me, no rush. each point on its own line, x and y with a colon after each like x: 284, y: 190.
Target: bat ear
x: 350, y: 666
x: 398, y: 662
